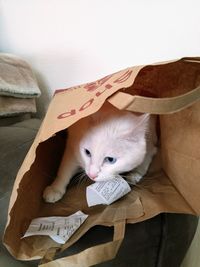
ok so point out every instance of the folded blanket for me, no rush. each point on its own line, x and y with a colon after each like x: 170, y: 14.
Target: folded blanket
x: 11, y: 106
x: 16, y: 78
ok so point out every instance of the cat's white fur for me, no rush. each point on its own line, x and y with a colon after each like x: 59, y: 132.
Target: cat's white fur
x: 128, y: 138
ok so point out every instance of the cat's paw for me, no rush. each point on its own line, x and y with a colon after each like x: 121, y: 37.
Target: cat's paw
x: 134, y: 177
x: 52, y: 194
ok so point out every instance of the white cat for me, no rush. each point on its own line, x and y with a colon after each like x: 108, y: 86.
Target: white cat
x: 108, y: 143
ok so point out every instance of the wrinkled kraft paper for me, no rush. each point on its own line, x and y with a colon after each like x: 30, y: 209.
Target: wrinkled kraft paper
x: 171, y: 90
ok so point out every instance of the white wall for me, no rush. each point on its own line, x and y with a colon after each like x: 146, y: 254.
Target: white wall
x: 71, y: 42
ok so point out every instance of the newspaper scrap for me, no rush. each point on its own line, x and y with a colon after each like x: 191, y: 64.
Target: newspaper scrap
x: 107, y: 192
x: 60, y: 229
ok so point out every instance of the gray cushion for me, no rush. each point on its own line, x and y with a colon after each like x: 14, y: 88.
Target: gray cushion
x: 15, y: 141
x: 161, y: 241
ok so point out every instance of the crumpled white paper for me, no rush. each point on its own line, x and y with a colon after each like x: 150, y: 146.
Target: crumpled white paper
x: 60, y: 229
x: 107, y: 192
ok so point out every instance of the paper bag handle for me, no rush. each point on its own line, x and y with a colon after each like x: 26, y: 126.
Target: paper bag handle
x: 90, y: 256
x: 154, y: 105
x: 193, y: 59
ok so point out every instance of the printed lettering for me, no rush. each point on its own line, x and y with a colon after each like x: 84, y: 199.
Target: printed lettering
x: 87, y: 104
x: 108, y: 86
x: 67, y: 114
x: 90, y: 87
x: 124, y: 77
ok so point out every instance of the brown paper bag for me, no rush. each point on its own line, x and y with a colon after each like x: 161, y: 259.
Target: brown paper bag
x: 171, y: 90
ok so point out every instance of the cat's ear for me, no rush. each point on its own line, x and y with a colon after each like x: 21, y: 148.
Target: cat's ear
x: 138, y: 127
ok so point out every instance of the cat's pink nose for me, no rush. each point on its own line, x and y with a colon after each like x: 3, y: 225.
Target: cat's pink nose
x: 93, y: 171
x: 92, y: 175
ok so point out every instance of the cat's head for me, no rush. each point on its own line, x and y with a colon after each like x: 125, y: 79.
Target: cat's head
x: 114, y: 145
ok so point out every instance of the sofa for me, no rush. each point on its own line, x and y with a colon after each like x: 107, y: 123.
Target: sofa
x: 158, y: 242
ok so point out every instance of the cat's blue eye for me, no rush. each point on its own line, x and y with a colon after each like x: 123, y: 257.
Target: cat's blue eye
x: 110, y: 160
x: 87, y: 152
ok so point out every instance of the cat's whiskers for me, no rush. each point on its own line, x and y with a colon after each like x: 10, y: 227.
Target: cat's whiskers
x: 80, y: 179
x: 124, y: 137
